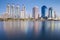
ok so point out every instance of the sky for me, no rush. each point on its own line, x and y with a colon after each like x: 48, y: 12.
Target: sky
x: 29, y: 4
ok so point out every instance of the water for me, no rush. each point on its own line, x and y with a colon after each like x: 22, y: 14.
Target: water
x: 29, y: 30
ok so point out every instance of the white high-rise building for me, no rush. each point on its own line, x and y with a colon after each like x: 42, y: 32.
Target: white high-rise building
x: 8, y: 9
x: 12, y: 11
x: 22, y: 14
x: 30, y: 15
x: 35, y: 12
x: 17, y: 11
x: 24, y: 10
x: 7, y: 13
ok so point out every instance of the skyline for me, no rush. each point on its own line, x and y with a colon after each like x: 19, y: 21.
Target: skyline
x: 29, y: 4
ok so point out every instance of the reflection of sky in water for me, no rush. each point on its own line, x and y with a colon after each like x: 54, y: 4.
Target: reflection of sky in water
x: 21, y: 28
x: 2, y: 33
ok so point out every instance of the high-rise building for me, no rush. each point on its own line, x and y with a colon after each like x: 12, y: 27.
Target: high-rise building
x: 52, y: 13
x: 35, y: 12
x: 23, y: 12
x: 7, y: 13
x: 17, y: 12
x: 8, y: 9
x: 12, y: 11
x: 43, y: 11
x: 55, y: 15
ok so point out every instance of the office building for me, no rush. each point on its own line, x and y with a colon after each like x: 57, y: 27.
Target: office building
x: 24, y: 9
x: 12, y: 11
x: 50, y: 12
x: 43, y: 11
x: 23, y: 12
x: 35, y: 12
x: 17, y: 12
x: 8, y: 9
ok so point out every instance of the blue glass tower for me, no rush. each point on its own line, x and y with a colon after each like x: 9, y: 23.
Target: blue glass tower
x: 43, y: 11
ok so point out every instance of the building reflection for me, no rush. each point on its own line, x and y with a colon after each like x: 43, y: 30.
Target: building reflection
x: 8, y: 26
x: 29, y: 29
x: 24, y: 26
x: 15, y: 28
x: 2, y: 32
x: 52, y: 25
x: 43, y: 31
x: 43, y: 26
x: 36, y: 28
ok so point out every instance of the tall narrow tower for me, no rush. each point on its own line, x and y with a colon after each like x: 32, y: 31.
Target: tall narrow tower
x: 50, y: 12
x: 43, y: 11
x: 24, y: 11
x: 55, y: 14
x: 35, y: 12
x: 12, y: 10
x: 8, y: 9
x: 17, y: 11
x: 50, y: 15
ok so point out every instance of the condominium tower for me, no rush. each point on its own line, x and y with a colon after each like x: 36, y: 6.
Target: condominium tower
x: 35, y: 12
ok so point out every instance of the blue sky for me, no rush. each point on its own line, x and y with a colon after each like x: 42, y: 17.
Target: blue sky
x: 29, y: 4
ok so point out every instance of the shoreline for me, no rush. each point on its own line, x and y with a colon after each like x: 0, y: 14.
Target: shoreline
x: 32, y: 19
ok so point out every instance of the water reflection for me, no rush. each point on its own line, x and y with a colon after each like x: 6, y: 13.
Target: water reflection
x: 30, y: 29
x: 36, y: 28
x: 23, y: 26
x: 52, y: 25
x: 2, y: 33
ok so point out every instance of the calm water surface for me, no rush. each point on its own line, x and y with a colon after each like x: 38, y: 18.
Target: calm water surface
x: 29, y: 30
